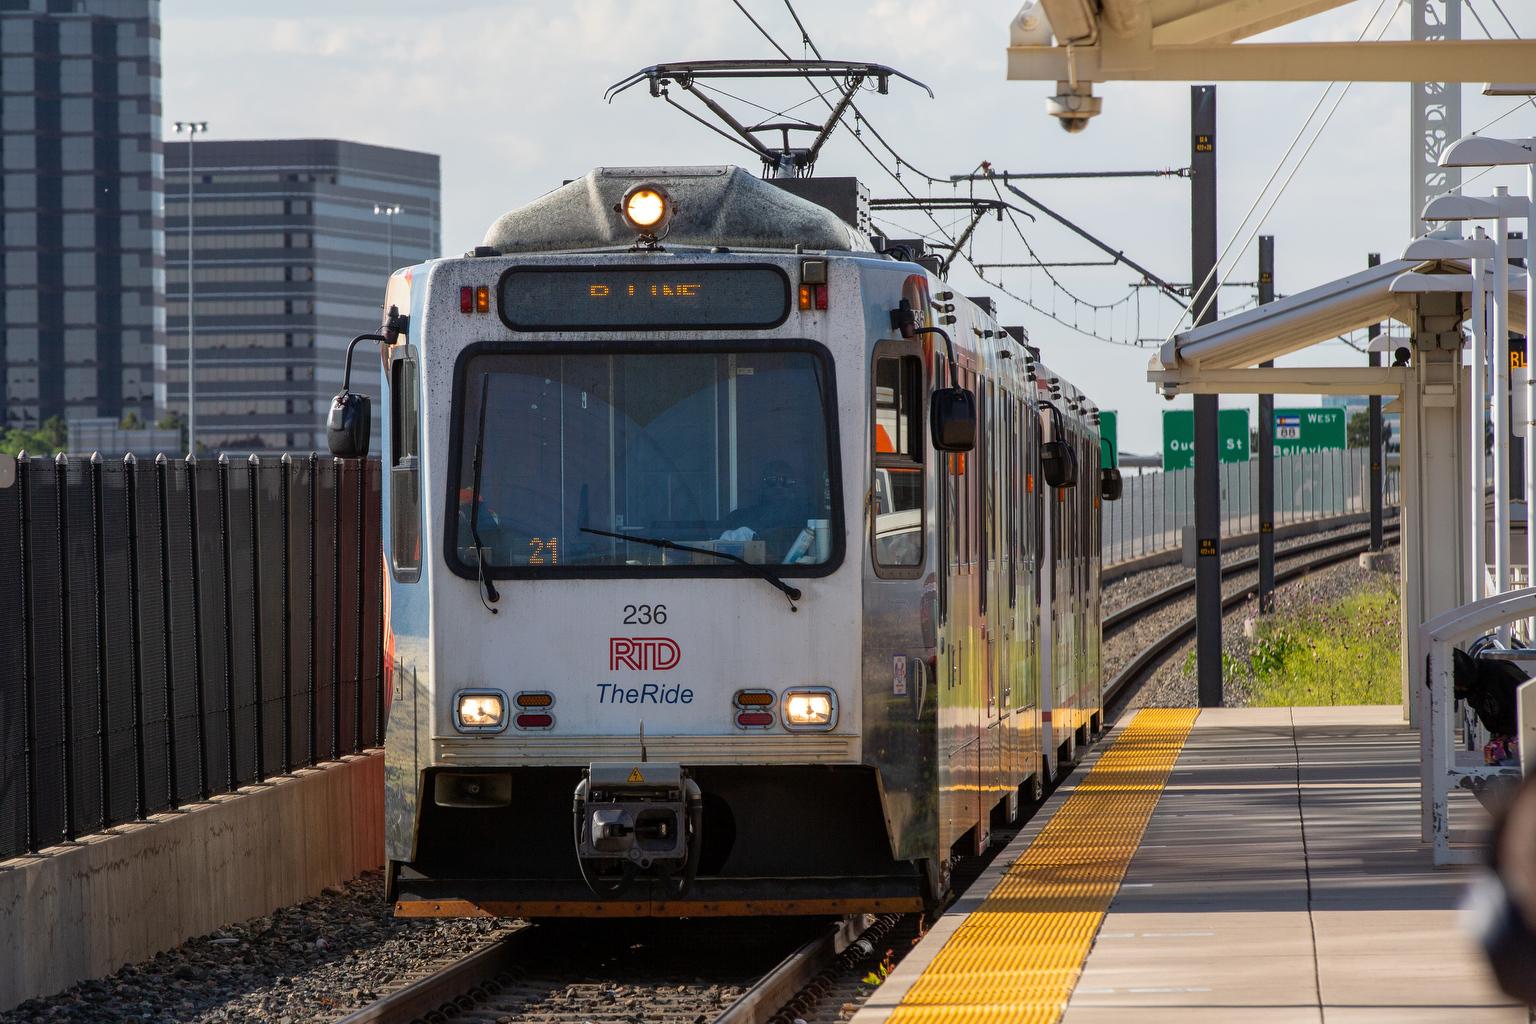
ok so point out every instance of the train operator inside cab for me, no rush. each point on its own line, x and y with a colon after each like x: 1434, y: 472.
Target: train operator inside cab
x: 779, y: 516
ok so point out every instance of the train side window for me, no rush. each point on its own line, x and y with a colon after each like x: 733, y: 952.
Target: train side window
x: 949, y: 494
x: 897, y: 457
x: 1014, y: 489
x: 967, y: 490
x: 404, y: 469
x: 983, y: 488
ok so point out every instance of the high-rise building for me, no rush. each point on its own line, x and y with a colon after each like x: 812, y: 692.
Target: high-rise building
x: 293, y: 242
x: 80, y: 288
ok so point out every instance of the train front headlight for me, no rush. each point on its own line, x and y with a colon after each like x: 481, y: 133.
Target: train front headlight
x: 810, y: 709
x: 647, y: 209
x: 480, y: 710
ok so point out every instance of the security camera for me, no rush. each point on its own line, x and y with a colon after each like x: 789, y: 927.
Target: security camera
x: 1073, y: 105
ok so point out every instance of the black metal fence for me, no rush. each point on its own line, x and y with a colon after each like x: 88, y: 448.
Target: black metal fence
x: 176, y: 628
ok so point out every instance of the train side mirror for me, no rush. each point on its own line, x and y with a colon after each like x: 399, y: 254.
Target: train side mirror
x: 348, y: 424
x: 1058, y: 464
x: 952, y: 419
x: 1110, y: 483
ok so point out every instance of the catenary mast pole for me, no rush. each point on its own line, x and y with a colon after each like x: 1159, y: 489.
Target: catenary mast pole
x: 1203, y: 257
x: 1266, y: 446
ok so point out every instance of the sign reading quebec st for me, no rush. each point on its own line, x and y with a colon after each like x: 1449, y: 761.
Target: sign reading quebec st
x: 1179, y: 437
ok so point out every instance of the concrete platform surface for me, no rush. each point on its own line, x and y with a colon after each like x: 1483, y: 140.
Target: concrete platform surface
x: 1280, y: 878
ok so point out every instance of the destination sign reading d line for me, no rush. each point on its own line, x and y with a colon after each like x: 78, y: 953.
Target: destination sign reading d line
x: 1179, y: 437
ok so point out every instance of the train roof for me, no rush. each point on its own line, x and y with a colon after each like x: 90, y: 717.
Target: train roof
x: 713, y: 206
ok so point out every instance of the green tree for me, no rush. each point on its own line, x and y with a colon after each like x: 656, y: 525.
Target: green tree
x: 50, y: 438
x: 130, y: 421
x: 1359, y: 430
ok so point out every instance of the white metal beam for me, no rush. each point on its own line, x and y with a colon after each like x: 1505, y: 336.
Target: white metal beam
x: 1434, y: 114
x: 1227, y: 21
x: 1389, y: 61
x: 1287, y: 380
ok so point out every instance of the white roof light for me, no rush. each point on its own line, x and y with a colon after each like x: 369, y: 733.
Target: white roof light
x: 1449, y: 249
x: 1481, y: 151
x: 1454, y: 207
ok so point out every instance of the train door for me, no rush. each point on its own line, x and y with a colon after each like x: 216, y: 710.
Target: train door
x: 1095, y: 482
x: 994, y: 605
x: 1026, y: 693
x: 900, y: 596
x: 1049, y: 536
x: 1080, y: 578
x: 1081, y: 505
x: 1017, y: 765
x: 960, y: 644
x: 1007, y: 597
x: 990, y: 760
x: 1064, y: 614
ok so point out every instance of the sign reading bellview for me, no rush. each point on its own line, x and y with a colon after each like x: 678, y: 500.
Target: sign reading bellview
x: 643, y: 298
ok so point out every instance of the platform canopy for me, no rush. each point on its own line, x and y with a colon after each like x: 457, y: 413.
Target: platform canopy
x: 1219, y: 357
x: 1202, y: 40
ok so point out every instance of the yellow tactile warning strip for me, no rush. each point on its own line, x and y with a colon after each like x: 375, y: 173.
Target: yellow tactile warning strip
x: 1018, y: 956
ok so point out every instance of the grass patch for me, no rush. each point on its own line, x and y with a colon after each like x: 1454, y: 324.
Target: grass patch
x: 1340, y: 653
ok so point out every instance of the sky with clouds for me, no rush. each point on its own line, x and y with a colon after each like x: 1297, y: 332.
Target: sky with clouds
x: 510, y: 94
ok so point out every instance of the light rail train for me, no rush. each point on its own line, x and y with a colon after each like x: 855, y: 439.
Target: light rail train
x: 735, y: 566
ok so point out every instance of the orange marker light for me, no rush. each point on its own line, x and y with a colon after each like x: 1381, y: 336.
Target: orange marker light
x: 805, y: 296
x: 482, y: 299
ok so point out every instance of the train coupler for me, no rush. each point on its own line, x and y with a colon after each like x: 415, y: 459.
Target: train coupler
x: 637, y: 819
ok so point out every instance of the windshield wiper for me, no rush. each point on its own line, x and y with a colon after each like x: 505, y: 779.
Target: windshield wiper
x: 489, y: 596
x: 793, y: 593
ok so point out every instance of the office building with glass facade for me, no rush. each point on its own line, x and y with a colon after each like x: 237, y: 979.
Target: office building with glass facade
x: 292, y: 244
x: 81, y: 278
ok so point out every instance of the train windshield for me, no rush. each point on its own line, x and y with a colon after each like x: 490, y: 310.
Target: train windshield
x: 724, y: 451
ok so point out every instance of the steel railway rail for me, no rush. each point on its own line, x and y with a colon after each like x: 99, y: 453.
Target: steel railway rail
x: 1119, y: 688
x: 821, y: 974
x: 1116, y: 621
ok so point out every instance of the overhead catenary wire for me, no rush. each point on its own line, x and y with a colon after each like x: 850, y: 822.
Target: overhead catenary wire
x: 805, y: 39
x: 1191, y: 314
x: 1527, y: 101
x: 1053, y: 278
x: 931, y: 179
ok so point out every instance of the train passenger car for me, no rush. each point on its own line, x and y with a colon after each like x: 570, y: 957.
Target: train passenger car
x: 734, y: 567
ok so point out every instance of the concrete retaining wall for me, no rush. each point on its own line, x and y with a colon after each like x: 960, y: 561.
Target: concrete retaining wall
x: 83, y: 910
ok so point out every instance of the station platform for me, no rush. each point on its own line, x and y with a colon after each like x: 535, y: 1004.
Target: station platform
x: 1223, y: 865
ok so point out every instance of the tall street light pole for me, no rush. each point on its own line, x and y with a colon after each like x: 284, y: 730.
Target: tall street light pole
x: 389, y: 213
x: 1482, y: 151
x: 193, y: 130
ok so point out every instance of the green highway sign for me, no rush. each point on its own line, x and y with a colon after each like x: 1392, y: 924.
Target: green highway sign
x: 1109, y: 440
x: 1179, y: 437
x: 1309, y: 430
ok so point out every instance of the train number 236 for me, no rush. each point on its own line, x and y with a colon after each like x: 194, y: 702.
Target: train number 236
x: 645, y: 614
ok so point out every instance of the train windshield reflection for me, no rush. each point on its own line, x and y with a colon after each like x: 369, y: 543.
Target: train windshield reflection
x: 725, y: 451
